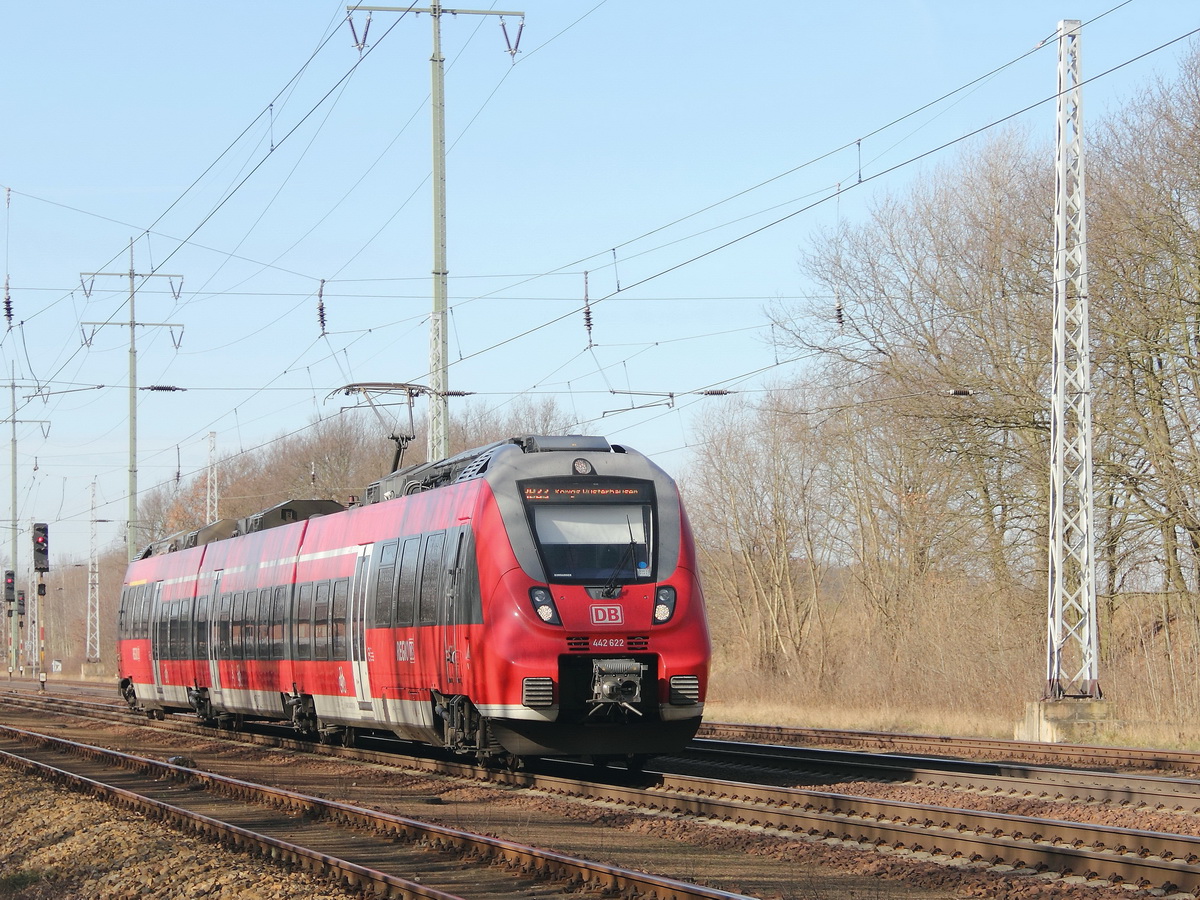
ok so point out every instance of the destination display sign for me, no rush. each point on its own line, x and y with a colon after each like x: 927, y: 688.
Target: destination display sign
x: 592, y: 492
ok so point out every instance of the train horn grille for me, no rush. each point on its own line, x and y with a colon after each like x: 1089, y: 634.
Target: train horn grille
x: 537, y: 692
x: 685, y: 689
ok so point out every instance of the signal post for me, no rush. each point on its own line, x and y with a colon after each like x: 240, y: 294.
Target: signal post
x: 41, y: 565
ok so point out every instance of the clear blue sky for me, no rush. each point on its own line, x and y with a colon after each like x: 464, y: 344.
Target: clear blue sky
x: 625, y: 139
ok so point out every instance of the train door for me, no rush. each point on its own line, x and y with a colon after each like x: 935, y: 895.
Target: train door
x: 358, y: 635
x: 453, y: 633
x: 218, y: 637
x: 158, y: 633
x: 198, y: 648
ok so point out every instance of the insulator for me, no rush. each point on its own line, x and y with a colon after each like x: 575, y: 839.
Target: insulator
x: 321, y: 306
x: 8, y: 308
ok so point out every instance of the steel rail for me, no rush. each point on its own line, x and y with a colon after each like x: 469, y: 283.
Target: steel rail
x: 1012, y: 779
x: 940, y: 745
x: 1144, y: 858
x: 530, y: 860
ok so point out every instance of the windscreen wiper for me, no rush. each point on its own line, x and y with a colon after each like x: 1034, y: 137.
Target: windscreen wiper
x: 611, y: 588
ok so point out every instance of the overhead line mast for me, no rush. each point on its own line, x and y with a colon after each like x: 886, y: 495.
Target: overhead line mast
x: 1072, y: 666
x: 439, y: 425
x: 131, y: 526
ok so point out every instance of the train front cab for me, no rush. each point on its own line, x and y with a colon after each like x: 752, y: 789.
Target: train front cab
x: 619, y: 688
x: 607, y: 612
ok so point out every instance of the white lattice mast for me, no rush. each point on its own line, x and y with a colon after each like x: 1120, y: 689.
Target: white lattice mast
x: 93, y: 594
x: 1072, y: 657
x: 212, y: 499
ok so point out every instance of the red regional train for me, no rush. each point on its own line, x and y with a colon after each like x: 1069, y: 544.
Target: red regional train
x: 537, y: 596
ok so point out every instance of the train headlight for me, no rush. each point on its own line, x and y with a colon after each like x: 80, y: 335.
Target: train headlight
x: 664, y: 604
x: 543, y: 605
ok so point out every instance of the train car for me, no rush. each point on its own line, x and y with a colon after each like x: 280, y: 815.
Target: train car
x: 537, y: 596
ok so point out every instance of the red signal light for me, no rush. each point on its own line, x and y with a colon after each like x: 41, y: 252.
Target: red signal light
x: 41, y: 547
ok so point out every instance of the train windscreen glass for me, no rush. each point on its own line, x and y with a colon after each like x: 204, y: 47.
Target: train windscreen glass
x: 593, y: 532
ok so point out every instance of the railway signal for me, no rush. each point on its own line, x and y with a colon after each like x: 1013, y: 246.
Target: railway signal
x: 10, y: 586
x: 41, y: 547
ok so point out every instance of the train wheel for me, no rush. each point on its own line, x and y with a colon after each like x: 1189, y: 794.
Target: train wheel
x: 636, y: 763
x: 508, y: 762
x: 333, y: 736
x: 304, y: 714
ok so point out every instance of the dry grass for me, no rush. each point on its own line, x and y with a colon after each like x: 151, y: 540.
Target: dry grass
x: 726, y: 705
x: 929, y: 721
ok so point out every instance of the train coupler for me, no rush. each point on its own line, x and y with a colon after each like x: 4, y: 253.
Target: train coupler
x: 616, y: 683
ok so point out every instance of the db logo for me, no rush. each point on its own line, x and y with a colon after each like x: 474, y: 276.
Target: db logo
x: 607, y: 615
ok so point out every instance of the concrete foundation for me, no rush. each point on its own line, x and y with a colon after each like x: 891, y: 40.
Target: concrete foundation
x: 97, y: 672
x: 1071, y: 721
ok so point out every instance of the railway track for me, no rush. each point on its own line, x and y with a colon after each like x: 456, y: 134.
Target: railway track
x: 790, y: 766
x: 956, y: 747
x: 783, y: 765
x: 980, y: 839
x: 362, y: 848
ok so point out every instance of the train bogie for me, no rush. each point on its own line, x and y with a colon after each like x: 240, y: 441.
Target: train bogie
x: 534, y: 597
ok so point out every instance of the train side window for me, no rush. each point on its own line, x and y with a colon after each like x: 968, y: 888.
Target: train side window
x: 468, y: 605
x: 161, y: 629
x: 265, y: 611
x: 164, y: 631
x: 152, y: 610
x: 130, y: 612
x: 224, y: 628
x: 431, y: 578
x: 147, y: 611
x: 406, y: 591
x: 250, y: 632
x: 171, y: 618
x: 122, y: 614
x: 321, y: 621
x: 385, y: 585
x: 264, y: 623
x: 278, y: 614
x: 304, y: 622
x: 200, y: 632
x: 176, y: 629
x: 185, y: 627
x: 337, y: 628
x: 180, y: 610
x: 239, y: 625
x: 142, y: 621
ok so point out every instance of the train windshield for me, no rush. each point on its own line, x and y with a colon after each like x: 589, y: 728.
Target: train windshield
x: 593, y: 533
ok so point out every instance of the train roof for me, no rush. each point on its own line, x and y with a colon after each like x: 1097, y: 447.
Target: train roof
x: 409, y: 480
x: 473, y: 463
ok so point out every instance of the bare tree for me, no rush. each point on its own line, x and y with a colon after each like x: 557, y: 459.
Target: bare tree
x: 759, y: 500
